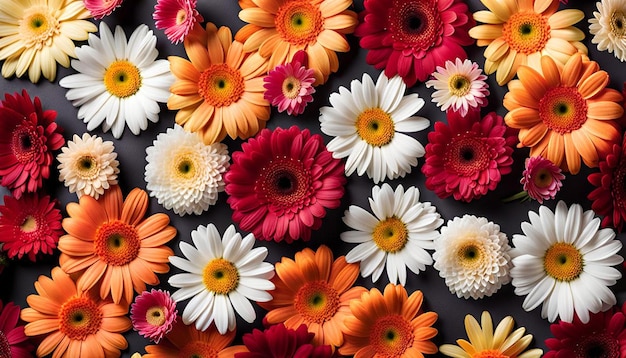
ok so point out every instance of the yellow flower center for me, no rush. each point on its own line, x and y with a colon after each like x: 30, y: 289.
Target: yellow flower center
x: 543, y: 178
x: 391, y: 336
x: 390, y: 235
x: 38, y: 27
x: 181, y: 16
x: 299, y: 22
x: 155, y: 316
x: 563, y: 109
x: 220, y: 276
x: 122, y: 79
x: 79, y: 317
x: 117, y: 243
x: 87, y: 167
x: 220, y: 85
x: 563, y: 262
x: 470, y: 253
x: 317, y: 301
x: 618, y: 24
x: 459, y: 85
x: 489, y: 353
x: 291, y: 87
x: 184, y: 166
x: 29, y: 224
x: 526, y: 32
x: 198, y: 349
x: 375, y: 126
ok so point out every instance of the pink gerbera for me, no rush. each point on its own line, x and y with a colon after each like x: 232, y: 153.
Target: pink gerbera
x: 411, y: 38
x: 29, y: 225
x: 101, y: 8
x: 176, y: 17
x: 290, y: 86
x: 281, y: 184
x: 28, y: 135
x: 13, y: 341
x: 541, y: 179
x: 467, y: 157
x: 279, y: 341
x: 153, y: 314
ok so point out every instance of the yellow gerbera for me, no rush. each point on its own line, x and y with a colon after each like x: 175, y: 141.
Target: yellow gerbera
x: 279, y: 28
x: 36, y: 34
x: 519, y: 32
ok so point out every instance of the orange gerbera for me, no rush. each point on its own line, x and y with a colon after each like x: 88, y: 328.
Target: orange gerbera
x: 566, y: 113
x: 220, y: 91
x: 316, y: 291
x: 280, y: 28
x: 76, y: 323
x: 389, y: 325
x: 110, y: 243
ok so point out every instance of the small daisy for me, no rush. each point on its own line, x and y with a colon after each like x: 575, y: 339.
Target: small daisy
x: 119, y: 82
x: 88, y: 165
x: 608, y: 26
x: 473, y: 257
x: 541, y: 179
x: 609, y: 194
x: 153, y: 314
x: 459, y: 86
x: 176, y: 17
x: 290, y: 86
x: 183, y: 173
x: 396, y: 236
x: 367, y: 124
x: 222, y: 275
x: 101, y: 8
x: 563, y: 261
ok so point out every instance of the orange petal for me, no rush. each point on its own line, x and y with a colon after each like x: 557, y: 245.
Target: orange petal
x: 135, y: 207
x: 572, y: 156
x: 550, y: 72
x: 532, y: 136
x: 522, y: 117
x: 585, y: 147
x: 593, y: 84
x: 556, y: 148
x: 113, y: 200
x: 604, y: 110
x: 198, y: 55
x: 534, y: 83
x: 333, y: 41
x: 183, y: 69
x: 571, y: 71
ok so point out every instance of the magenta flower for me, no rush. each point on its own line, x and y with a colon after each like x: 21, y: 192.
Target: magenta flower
x: 101, y: 8
x: 13, y: 342
x: 153, y: 314
x: 541, y: 179
x: 290, y: 86
x: 176, y: 17
x: 278, y: 341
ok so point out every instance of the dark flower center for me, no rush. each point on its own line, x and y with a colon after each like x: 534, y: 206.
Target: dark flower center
x: 5, y: 347
x: 598, y: 345
x: 415, y: 24
x: 618, y: 184
x: 284, y: 182
x: 467, y: 155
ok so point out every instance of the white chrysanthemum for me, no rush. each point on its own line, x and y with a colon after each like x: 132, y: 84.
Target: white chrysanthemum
x: 396, y: 236
x: 119, y: 83
x: 88, y: 165
x: 473, y: 257
x: 366, y: 124
x: 608, y: 26
x: 564, y: 262
x: 459, y: 86
x: 222, y: 275
x: 183, y: 173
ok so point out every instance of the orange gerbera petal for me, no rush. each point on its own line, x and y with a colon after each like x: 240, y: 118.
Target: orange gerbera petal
x: 187, y: 341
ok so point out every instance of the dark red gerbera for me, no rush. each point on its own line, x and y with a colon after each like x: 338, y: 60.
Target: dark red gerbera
x: 280, y: 342
x: 13, y: 342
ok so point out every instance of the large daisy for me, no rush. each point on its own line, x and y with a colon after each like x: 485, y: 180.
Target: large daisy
x: 563, y: 261
x: 36, y: 35
x: 367, y: 124
x: 608, y: 26
x: 219, y: 90
x: 119, y: 83
x: 222, y: 275
x: 279, y: 28
x: 396, y: 236
x: 112, y: 246
x: 520, y: 32
x: 566, y: 112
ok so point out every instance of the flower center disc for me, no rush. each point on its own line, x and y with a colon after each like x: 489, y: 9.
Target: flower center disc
x: 291, y: 87
x: 122, y: 79
x: 415, y: 24
x: 598, y: 346
x: 470, y: 254
x: 181, y: 16
x: 563, y: 109
x: 5, y: 347
x: 220, y: 276
x: 466, y: 155
x: 317, y: 301
x: 543, y: 178
x: 25, y: 142
x: 79, y: 317
x: 284, y: 182
x: 116, y: 243
x: 37, y: 27
x: 29, y: 224
x: 489, y: 353
x: 618, y: 183
x: 459, y: 85
x: 220, y: 85
x: 391, y: 336
x: 618, y: 24
x: 390, y: 235
x: 184, y: 166
x: 375, y: 126
x: 526, y: 32
x: 155, y: 316
x: 87, y: 167
x: 198, y: 349
x: 563, y: 262
x: 299, y: 22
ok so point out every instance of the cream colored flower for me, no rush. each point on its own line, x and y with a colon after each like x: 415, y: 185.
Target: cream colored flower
x: 608, y: 26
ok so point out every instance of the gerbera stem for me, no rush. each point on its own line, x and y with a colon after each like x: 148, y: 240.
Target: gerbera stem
x: 523, y: 195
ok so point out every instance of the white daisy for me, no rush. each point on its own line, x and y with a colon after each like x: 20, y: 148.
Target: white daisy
x: 119, y: 83
x: 608, y: 26
x: 366, y: 124
x: 222, y: 276
x: 473, y: 257
x: 183, y: 173
x: 396, y: 236
x: 88, y: 165
x: 564, y: 262
x: 460, y: 86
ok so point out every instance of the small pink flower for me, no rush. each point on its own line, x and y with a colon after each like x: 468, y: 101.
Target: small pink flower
x: 153, y: 314
x: 101, y: 8
x: 541, y: 179
x: 290, y: 86
x: 176, y: 17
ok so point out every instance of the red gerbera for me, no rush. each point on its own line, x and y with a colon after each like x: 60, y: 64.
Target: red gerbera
x: 13, y: 341
x: 28, y: 135
x: 279, y: 341
x: 467, y: 157
x: 281, y: 184
x: 29, y: 225
x: 412, y: 38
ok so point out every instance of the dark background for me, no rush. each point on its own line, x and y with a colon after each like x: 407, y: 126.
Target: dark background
x: 16, y: 282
